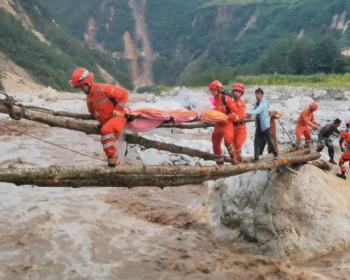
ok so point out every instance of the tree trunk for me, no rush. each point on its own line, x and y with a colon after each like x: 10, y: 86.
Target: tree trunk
x: 61, y: 113
x: 91, y: 127
x: 275, y: 138
x: 138, y: 175
x: 322, y: 164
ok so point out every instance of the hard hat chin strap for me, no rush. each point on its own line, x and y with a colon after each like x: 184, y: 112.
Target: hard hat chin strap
x: 88, y: 92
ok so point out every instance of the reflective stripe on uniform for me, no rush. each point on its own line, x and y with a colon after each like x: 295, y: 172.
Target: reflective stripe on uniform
x: 234, y: 114
x: 220, y: 160
x: 109, y: 144
x: 99, y: 89
x: 116, y: 154
x: 218, y: 156
x: 96, y: 115
x: 121, y: 104
x: 107, y: 136
x: 103, y: 101
x: 229, y: 147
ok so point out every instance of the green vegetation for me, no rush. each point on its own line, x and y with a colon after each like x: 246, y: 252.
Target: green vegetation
x: 192, y: 30
x: 173, y: 36
x: 1, y: 86
x: 51, y: 64
x: 184, y: 31
x: 145, y: 89
x: 243, y: 2
x: 288, y: 57
x: 313, y: 80
x: 158, y: 89
x: 113, y: 19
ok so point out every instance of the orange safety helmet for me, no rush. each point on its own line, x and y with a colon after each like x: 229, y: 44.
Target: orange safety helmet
x: 216, y: 85
x: 239, y: 86
x: 313, y: 106
x: 348, y: 123
x: 81, y: 76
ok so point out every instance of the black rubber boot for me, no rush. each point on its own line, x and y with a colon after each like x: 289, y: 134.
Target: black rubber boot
x: 342, y: 175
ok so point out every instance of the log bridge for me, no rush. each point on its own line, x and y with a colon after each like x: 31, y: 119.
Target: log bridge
x: 134, y: 175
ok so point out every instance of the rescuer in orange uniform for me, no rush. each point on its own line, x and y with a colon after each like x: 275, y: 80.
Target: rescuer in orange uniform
x: 106, y: 103
x: 223, y: 104
x: 239, y: 126
x: 344, y: 144
x: 306, y: 120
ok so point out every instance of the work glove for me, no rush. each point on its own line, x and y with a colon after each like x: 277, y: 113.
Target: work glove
x: 130, y: 118
x: 248, y: 115
x: 116, y: 113
x: 342, y: 150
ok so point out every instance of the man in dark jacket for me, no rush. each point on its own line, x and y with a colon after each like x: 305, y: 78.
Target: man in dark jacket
x: 324, y: 138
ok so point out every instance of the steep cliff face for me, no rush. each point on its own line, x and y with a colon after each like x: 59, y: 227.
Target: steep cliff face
x: 142, y: 35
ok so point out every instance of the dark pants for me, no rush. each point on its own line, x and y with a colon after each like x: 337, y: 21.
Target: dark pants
x: 262, y: 137
x: 328, y: 143
x: 262, y: 147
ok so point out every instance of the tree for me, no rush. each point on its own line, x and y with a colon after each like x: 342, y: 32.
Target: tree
x: 300, y: 58
x: 326, y: 56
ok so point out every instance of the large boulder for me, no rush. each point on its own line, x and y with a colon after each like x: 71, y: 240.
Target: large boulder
x: 319, y: 94
x: 280, y: 214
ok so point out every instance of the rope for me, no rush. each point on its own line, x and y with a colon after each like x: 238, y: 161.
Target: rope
x: 291, y: 141
x: 9, y: 102
x: 51, y: 143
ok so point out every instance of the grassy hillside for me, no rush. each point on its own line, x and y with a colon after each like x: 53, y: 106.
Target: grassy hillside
x: 51, y: 64
x: 113, y: 18
x: 248, y: 37
x: 231, y: 51
x: 244, y: 2
x: 1, y: 86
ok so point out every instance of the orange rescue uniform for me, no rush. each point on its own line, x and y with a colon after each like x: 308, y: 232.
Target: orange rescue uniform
x: 344, y: 140
x: 224, y: 130
x: 102, y: 100
x: 240, y: 128
x: 305, y: 120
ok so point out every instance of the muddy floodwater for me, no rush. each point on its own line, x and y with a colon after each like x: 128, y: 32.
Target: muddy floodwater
x: 140, y: 233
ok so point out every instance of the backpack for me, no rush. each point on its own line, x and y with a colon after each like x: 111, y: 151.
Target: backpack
x: 228, y: 92
x: 223, y: 97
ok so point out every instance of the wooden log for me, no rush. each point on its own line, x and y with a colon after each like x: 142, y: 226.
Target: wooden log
x: 61, y: 113
x: 275, y: 133
x: 138, y: 175
x: 51, y: 120
x: 93, y: 128
x: 290, y: 170
x: 322, y: 164
x: 291, y: 151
